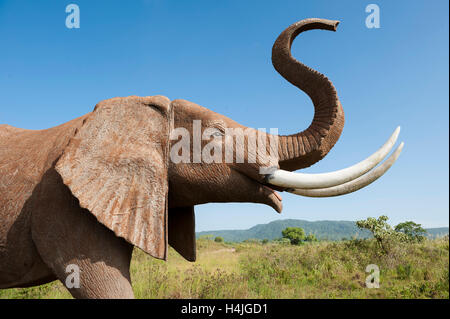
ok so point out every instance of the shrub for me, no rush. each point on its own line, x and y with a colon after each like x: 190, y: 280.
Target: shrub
x: 252, y: 241
x: 218, y: 239
x: 283, y: 241
x: 404, y: 271
x: 414, y: 232
x: 385, y: 236
x: 311, y: 238
x: 294, y: 234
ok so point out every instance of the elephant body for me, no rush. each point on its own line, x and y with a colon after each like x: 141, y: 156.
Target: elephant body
x: 43, y: 228
x: 25, y: 156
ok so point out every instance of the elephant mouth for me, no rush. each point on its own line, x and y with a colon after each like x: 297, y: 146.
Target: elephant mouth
x: 272, y: 198
x: 269, y: 194
x: 277, y: 195
x: 257, y: 191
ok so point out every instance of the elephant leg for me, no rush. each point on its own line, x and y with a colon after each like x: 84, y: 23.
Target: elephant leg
x: 76, y: 247
x: 90, y: 279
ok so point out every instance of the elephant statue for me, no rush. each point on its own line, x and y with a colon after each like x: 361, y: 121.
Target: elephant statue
x: 84, y: 193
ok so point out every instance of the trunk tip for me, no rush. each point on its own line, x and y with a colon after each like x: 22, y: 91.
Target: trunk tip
x: 335, y: 24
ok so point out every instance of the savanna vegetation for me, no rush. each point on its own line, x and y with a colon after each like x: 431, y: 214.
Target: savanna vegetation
x: 328, y: 230
x: 278, y: 269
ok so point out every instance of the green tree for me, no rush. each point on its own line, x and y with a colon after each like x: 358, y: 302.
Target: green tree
x: 218, y: 239
x: 413, y: 231
x: 265, y: 241
x: 294, y: 234
x: 382, y: 232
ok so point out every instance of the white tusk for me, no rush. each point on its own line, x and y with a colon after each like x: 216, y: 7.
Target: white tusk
x: 355, y: 184
x: 307, y: 181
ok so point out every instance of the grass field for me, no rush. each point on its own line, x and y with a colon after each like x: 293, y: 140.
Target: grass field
x: 255, y: 270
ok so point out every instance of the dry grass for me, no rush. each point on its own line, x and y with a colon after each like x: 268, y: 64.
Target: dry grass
x: 253, y: 270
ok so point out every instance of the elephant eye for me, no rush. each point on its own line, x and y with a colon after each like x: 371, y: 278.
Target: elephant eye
x: 215, y: 128
x: 217, y: 133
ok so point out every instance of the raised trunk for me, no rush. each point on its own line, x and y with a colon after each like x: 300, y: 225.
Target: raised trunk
x: 303, y: 149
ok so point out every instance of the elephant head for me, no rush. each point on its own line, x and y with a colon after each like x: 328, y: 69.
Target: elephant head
x: 140, y: 165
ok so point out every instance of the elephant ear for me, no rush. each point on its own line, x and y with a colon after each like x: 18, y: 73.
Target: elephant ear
x: 117, y: 167
x: 182, y: 231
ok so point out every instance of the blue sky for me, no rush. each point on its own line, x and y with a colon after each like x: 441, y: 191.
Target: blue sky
x: 217, y: 54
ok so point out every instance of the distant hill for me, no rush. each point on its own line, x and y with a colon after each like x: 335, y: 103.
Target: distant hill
x: 326, y: 229
x: 437, y: 232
